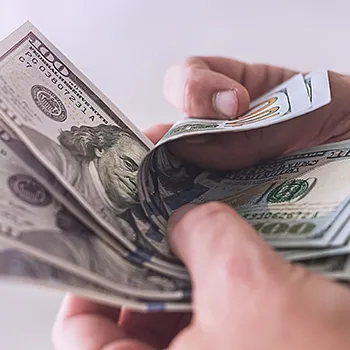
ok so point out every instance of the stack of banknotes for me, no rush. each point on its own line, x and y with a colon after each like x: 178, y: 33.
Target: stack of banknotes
x: 85, y: 196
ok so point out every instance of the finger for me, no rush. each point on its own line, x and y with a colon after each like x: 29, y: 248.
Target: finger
x: 256, y: 78
x: 74, y: 305
x: 156, y: 132
x: 230, y: 151
x: 156, y: 329
x: 82, y: 324
x: 223, y: 253
x: 205, y: 86
x: 195, y: 89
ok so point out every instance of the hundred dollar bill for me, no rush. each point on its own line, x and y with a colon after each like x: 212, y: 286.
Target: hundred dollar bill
x: 127, y: 189
x: 304, y: 203
x: 299, y: 200
x: 80, y: 137
x: 9, y: 138
x: 303, y: 254
x: 334, y: 267
x: 11, y: 141
x: 316, y: 252
x: 93, y: 150
x: 32, y: 220
x: 18, y: 267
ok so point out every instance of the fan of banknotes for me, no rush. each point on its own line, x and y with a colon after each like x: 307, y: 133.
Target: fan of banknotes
x: 85, y: 196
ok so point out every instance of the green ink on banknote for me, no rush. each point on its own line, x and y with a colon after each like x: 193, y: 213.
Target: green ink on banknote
x: 288, y: 191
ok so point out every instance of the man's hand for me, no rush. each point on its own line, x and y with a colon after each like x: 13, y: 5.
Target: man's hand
x: 244, y: 297
x: 213, y: 87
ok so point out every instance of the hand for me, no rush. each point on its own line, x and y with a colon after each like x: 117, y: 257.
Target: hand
x: 240, y: 285
x: 245, y: 297
x: 213, y: 87
x: 84, y: 325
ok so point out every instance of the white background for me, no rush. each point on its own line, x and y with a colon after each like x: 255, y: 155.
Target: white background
x: 125, y: 47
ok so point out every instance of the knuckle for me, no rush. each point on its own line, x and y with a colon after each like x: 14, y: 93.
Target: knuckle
x: 182, y: 84
x: 192, y: 88
x: 207, y: 211
x: 214, y: 208
x: 234, y: 267
x: 193, y: 61
x: 170, y: 79
x: 244, y: 265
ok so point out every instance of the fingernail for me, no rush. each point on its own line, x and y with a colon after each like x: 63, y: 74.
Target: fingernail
x: 226, y: 103
x: 179, y: 214
x: 198, y: 140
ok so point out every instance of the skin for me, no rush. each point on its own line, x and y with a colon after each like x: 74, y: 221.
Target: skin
x: 117, y: 168
x: 245, y: 295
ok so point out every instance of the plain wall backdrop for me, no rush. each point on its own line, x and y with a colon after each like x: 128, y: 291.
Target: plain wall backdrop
x: 125, y: 47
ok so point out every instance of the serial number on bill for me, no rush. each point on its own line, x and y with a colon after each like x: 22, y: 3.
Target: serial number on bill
x: 284, y: 215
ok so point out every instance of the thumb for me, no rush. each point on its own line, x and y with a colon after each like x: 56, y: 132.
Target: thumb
x: 201, y: 92
x: 210, y: 87
x: 225, y: 256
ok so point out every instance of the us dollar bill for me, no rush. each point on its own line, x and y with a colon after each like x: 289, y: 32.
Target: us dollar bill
x: 334, y: 267
x: 87, y: 195
x: 80, y: 137
x: 300, y: 200
x: 23, y: 157
x: 315, y: 253
x: 297, y: 201
x: 19, y: 267
x: 32, y: 220
x: 93, y: 150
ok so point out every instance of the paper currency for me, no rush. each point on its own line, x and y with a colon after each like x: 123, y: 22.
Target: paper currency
x: 78, y: 135
x: 86, y: 197
x: 18, y: 267
x: 23, y: 158
x: 294, y: 201
x: 334, y: 267
x: 33, y: 221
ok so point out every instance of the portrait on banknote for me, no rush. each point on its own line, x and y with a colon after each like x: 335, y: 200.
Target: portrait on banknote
x: 101, y: 162
x: 85, y: 142
x: 106, y: 161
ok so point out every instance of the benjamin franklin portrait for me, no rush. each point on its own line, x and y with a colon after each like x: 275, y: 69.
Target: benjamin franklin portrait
x: 101, y: 163
x: 110, y: 157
